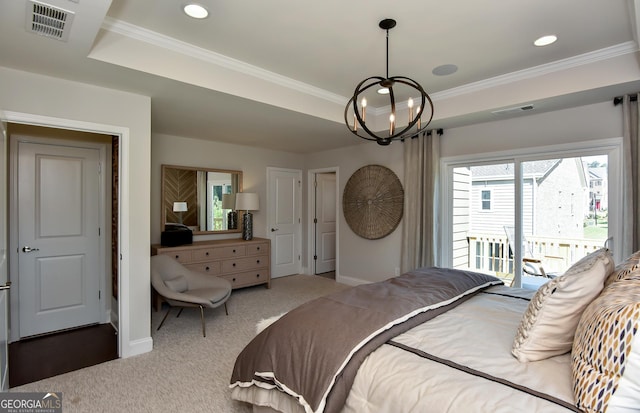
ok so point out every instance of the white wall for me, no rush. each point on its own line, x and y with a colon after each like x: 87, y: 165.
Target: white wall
x: 253, y: 163
x: 56, y: 102
x: 583, y: 123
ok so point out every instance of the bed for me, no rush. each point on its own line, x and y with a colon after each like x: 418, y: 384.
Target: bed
x: 443, y: 340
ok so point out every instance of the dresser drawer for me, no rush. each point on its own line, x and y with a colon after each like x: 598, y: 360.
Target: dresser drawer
x: 230, y: 252
x: 248, y: 278
x: 212, y: 268
x: 255, y: 249
x: 203, y: 254
x: 183, y: 257
x: 246, y: 263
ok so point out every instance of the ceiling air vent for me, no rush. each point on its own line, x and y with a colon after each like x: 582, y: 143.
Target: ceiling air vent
x: 48, y: 21
x: 510, y: 111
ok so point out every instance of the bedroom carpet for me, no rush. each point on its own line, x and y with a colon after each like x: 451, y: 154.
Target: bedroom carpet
x: 185, y: 371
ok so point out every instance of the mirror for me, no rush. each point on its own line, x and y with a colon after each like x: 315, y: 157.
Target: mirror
x: 193, y: 196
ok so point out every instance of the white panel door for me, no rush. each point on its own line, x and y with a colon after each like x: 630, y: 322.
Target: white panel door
x: 325, y: 223
x: 284, y: 199
x: 58, y: 235
x: 4, y: 299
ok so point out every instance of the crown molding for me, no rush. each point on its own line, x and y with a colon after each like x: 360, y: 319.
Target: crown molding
x: 187, y: 49
x: 557, y: 66
x: 177, y: 46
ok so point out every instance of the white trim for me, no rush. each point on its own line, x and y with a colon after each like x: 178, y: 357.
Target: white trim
x: 169, y: 43
x: 125, y: 347
x: 187, y: 49
x: 311, y: 199
x: 621, y: 49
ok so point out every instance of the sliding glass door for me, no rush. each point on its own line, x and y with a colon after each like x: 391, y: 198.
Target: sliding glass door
x: 527, y: 217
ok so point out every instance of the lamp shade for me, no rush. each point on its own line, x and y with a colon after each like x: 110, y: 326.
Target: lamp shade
x: 179, y: 207
x: 228, y: 201
x: 247, y: 201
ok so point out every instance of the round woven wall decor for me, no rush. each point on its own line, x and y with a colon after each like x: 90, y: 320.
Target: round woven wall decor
x: 373, y: 201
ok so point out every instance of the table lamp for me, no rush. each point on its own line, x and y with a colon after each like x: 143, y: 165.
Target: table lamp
x: 247, y: 201
x: 180, y: 207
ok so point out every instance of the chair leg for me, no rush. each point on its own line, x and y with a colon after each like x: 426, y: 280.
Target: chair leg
x: 204, y: 333
x: 225, y: 308
x: 165, y: 317
x: 180, y: 312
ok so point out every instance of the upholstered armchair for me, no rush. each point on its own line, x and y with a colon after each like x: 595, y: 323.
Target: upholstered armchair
x: 181, y: 287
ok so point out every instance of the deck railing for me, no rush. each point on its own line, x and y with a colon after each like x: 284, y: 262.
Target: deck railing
x: 490, y: 252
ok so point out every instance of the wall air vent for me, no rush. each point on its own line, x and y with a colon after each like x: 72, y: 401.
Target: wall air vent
x: 511, y: 111
x: 48, y: 21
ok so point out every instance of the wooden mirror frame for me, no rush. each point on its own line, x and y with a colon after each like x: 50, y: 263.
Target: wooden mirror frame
x: 181, y: 182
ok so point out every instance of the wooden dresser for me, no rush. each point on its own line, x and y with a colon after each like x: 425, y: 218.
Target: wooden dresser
x: 243, y: 263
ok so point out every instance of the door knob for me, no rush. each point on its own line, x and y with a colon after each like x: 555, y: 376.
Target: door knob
x: 6, y: 286
x: 274, y: 229
x: 29, y: 249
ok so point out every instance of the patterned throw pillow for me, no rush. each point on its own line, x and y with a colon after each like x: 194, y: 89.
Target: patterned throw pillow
x: 624, y: 269
x: 549, y: 323
x: 606, y: 351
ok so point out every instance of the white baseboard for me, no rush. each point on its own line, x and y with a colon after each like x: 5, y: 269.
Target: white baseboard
x: 350, y: 280
x: 137, y: 347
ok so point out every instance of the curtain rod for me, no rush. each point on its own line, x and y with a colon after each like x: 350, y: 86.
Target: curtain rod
x: 618, y: 99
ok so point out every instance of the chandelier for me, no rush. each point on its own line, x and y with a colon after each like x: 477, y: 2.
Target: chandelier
x: 355, y: 114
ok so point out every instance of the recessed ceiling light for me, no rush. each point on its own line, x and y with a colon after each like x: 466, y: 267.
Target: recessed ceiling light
x: 444, y: 70
x: 196, y: 11
x: 546, y: 40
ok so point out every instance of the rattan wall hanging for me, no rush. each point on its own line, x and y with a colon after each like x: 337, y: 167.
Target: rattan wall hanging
x: 373, y: 201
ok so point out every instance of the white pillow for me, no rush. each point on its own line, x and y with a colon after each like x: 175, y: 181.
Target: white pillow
x: 548, y: 325
x: 606, y: 350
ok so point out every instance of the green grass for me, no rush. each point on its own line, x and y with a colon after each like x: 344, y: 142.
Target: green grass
x: 596, y: 232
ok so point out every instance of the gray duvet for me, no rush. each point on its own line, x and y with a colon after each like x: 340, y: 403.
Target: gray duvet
x: 313, y: 352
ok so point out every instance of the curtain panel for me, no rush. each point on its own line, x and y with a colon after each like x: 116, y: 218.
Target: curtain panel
x: 631, y: 176
x: 420, y: 226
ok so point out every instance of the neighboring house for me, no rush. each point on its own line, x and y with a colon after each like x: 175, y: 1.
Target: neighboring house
x: 598, y: 184
x: 545, y: 196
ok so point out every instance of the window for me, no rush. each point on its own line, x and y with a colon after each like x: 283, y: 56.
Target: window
x: 486, y: 200
x: 556, y: 202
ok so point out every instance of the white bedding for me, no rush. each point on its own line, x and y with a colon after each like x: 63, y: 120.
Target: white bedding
x: 478, y: 334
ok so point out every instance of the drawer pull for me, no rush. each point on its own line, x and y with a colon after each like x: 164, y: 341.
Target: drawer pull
x: 234, y: 251
x: 234, y: 280
x: 177, y: 257
x: 257, y: 275
x: 234, y: 264
x: 206, y: 253
x: 258, y: 248
x: 206, y: 268
x: 257, y: 261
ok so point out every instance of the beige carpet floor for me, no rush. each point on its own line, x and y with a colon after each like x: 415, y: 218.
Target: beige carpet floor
x: 185, y: 372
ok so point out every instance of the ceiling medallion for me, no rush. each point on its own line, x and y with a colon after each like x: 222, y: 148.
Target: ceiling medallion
x: 355, y: 111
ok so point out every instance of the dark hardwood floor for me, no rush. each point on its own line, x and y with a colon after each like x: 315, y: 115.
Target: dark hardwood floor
x: 47, y: 356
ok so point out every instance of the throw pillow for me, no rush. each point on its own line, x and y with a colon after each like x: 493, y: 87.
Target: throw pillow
x: 606, y: 350
x: 624, y: 269
x: 548, y: 325
x: 177, y: 284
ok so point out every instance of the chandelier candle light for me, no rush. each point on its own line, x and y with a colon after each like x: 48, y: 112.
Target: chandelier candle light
x: 358, y: 104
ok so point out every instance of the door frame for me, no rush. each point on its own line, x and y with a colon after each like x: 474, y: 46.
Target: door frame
x: 311, y: 201
x: 103, y: 208
x: 125, y: 347
x: 269, y: 224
